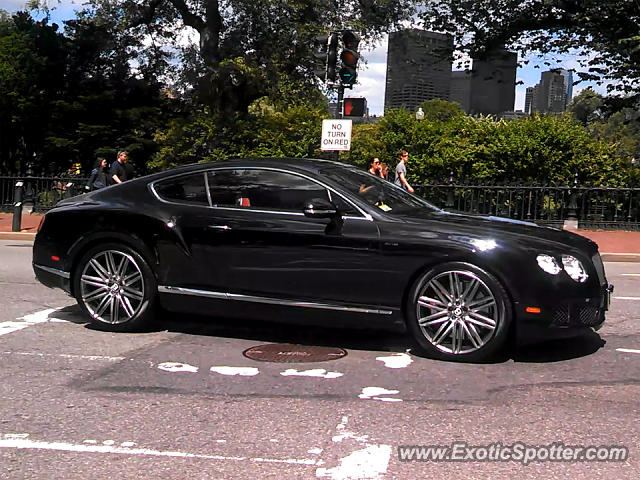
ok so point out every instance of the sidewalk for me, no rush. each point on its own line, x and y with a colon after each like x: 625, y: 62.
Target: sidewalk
x: 615, y: 245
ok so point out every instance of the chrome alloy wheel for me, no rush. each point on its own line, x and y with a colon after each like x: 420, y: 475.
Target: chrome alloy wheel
x: 457, y: 312
x: 112, y: 287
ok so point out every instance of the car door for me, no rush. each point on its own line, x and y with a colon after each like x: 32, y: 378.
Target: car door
x: 257, y: 240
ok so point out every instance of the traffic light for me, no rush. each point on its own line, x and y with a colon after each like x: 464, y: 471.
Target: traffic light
x: 325, y: 53
x: 332, y: 57
x: 349, y: 58
x: 320, y: 43
x: 355, y: 107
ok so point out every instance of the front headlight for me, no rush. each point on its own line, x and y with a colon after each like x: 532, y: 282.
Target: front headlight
x: 574, y: 268
x: 548, y: 263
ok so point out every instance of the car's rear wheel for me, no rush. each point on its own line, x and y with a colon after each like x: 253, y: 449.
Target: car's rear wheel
x: 458, y: 311
x: 115, y: 286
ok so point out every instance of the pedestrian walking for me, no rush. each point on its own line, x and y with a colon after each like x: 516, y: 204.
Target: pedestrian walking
x: 118, y: 173
x: 401, y: 171
x: 98, y: 177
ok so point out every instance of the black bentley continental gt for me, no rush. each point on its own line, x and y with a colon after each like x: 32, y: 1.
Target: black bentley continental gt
x: 318, y: 242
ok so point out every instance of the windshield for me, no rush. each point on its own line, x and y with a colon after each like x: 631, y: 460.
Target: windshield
x: 377, y: 192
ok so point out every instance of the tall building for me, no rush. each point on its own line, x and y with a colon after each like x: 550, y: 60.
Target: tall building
x: 493, y: 83
x: 552, y: 94
x: 418, y: 68
x: 490, y: 87
x: 461, y: 89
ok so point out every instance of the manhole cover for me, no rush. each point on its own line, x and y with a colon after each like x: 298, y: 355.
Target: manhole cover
x: 288, y: 353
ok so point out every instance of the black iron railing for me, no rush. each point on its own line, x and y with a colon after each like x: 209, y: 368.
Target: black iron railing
x: 39, y: 193
x: 590, y: 207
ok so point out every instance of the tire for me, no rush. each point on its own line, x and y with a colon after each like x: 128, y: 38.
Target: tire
x: 116, y: 288
x: 457, y: 311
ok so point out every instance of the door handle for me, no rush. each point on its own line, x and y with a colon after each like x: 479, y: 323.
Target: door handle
x: 220, y: 227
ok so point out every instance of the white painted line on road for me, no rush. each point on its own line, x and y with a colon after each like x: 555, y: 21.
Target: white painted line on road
x: 23, y: 443
x: 177, y: 367
x: 66, y: 355
x: 241, y: 371
x: 630, y: 274
x: 627, y: 298
x: 627, y: 350
x: 396, y: 360
x: 315, y: 372
x: 26, y: 321
x: 370, y: 462
x: 373, y: 393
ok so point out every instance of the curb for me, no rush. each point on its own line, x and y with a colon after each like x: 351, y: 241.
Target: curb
x: 17, y: 236
x: 620, y: 257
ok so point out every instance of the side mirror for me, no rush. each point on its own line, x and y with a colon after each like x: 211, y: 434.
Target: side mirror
x: 319, y: 208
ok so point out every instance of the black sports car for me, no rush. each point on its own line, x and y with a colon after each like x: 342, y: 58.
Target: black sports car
x: 319, y: 242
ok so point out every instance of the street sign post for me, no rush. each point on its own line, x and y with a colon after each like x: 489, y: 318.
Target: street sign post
x: 336, y: 135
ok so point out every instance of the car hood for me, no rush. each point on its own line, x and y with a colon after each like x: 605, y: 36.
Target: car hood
x: 498, y: 228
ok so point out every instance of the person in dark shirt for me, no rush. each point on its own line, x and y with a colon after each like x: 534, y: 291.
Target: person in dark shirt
x: 118, y: 173
x: 98, y: 178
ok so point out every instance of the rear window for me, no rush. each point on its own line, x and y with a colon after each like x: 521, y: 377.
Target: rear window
x: 188, y: 189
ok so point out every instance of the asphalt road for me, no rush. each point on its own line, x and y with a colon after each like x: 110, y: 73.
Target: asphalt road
x: 182, y: 402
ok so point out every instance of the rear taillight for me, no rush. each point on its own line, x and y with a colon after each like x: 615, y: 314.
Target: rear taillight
x: 40, y: 224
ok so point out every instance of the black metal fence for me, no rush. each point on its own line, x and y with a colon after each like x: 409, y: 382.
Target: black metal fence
x: 41, y: 193
x: 591, y: 207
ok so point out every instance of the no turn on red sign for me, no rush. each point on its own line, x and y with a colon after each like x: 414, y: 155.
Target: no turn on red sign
x: 336, y: 135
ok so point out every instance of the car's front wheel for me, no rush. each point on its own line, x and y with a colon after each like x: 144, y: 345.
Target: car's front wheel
x: 458, y: 311
x: 116, y: 287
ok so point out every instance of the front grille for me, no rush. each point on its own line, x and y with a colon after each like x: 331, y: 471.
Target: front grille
x: 588, y: 316
x: 560, y: 316
x: 576, y: 316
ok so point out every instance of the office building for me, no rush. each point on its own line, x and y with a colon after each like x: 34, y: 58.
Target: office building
x: 552, y: 94
x: 493, y: 83
x: 418, y: 68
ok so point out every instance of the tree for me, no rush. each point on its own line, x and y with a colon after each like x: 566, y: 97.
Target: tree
x: 606, y: 31
x: 245, y: 49
x: 587, y: 107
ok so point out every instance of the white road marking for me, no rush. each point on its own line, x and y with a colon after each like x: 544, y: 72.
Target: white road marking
x: 627, y: 350
x: 316, y: 372
x: 66, y: 355
x: 242, y: 371
x: 627, y: 298
x: 373, y: 393
x: 315, y: 451
x: 23, y: 443
x: 370, y: 462
x: 26, y: 321
x: 396, y: 360
x: 630, y: 274
x: 177, y: 367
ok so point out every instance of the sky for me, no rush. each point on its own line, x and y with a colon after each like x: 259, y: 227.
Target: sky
x: 371, y: 72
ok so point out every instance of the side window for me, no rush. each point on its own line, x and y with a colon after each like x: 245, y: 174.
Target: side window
x: 265, y: 189
x: 185, y: 189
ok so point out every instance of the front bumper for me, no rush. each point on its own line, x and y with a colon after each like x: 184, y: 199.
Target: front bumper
x: 564, y: 319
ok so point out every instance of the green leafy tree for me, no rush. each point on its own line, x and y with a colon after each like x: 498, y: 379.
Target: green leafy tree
x: 245, y: 49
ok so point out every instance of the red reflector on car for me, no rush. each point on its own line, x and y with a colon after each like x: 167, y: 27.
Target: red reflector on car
x: 532, y: 309
x: 55, y: 258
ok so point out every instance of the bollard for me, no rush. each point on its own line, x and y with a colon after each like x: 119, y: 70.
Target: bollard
x: 17, y: 207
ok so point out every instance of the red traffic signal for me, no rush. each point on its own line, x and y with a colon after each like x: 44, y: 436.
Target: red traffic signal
x: 355, y: 107
x: 349, y: 58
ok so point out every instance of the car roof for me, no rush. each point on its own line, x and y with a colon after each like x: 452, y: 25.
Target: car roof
x: 301, y: 164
